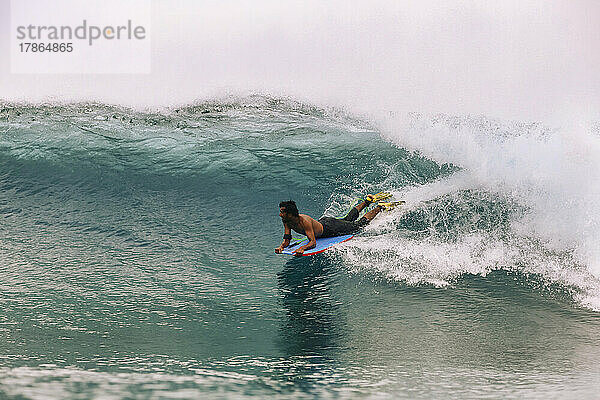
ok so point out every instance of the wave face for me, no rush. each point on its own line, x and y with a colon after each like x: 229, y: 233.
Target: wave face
x: 139, y: 245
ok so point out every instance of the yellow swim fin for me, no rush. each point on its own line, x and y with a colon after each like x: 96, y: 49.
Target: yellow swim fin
x: 389, y: 206
x: 378, y: 197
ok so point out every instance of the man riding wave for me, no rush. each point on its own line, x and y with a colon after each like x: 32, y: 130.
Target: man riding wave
x: 326, y: 226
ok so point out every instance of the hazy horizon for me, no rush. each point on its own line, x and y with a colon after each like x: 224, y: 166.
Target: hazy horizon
x: 515, y: 60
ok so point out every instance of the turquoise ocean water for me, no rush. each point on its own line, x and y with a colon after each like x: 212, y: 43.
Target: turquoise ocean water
x: 136, y: 258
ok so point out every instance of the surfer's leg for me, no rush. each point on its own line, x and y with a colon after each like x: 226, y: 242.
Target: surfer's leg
x: 355, y: 211
x: 362, y: 205
x: 370, y: 215
x: 352, y: 215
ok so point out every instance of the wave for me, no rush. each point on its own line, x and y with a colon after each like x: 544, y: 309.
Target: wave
x: 524, y: 199
x: 482, y: 195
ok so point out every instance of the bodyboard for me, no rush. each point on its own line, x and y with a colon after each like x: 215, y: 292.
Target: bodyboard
x: 322, y: 244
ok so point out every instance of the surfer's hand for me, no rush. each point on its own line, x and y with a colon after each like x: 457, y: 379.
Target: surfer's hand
x: 279, y: 250
x: 299, y: 252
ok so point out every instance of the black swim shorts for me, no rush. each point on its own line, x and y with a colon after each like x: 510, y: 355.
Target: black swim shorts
x: 338, y: 227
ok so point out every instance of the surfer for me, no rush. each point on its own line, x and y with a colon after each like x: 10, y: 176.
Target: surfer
x: 326, y: 226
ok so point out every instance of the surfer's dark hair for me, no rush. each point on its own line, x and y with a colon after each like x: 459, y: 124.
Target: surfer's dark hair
x: 290, y: 207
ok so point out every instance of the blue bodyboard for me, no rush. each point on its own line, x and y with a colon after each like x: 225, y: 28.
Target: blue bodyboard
x: 322, y: 244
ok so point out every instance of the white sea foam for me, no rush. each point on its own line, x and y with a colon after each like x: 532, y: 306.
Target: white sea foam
x: 554, y: 174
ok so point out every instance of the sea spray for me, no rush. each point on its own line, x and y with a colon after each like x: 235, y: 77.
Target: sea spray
x: 552, y: 174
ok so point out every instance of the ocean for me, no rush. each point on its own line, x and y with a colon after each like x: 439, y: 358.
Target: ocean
x: 137, y: 255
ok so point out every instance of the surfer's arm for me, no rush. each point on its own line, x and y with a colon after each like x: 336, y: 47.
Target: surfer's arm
x: 310, y: 234
x: 286, y: 242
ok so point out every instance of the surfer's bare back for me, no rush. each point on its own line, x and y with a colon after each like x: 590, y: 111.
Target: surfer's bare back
x: 324, y: 227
